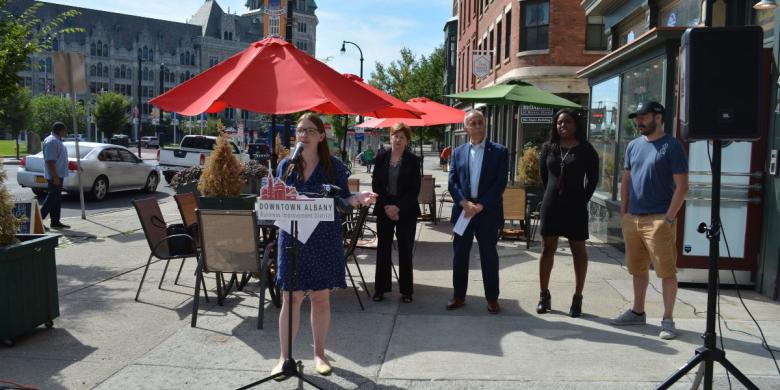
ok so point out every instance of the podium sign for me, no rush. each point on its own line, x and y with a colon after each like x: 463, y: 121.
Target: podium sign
x: 308, y: 212
x: 306, y: 209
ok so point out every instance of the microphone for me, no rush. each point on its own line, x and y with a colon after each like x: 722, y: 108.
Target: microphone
x: 296, y: 154
x: 330, y: 190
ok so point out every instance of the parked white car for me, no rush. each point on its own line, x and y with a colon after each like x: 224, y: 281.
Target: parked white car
x: 104, y: 168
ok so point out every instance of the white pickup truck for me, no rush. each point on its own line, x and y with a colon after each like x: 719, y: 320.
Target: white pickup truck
x: 192, y: 152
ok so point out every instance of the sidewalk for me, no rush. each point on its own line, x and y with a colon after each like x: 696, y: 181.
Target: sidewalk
x: 105, y: 340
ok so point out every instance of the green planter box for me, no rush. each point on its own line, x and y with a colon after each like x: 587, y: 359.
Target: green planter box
x: 28, y: 285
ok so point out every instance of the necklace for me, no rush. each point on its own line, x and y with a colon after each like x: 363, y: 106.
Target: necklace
x: 563, y: 165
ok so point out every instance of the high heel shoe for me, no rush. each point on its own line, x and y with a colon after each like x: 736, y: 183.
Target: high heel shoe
x: 545, y: 302
x: 576, y: 306
x: 378, y: 297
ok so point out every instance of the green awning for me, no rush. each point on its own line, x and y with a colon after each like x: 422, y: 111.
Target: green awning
x: 515, y: 92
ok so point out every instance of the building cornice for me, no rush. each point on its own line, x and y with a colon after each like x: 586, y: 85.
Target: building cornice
x: 599, y: 7
x: 647, y: 41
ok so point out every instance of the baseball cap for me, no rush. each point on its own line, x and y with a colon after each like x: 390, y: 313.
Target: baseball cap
x: 646, y: 108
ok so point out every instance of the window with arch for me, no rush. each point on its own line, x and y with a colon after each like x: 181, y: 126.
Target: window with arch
x: 92, y: 51
x: 145, y: 73
x: 105, y: 71
x: 92, y: 70
x: 145, y: 53
x: 100, y: 49
x: 123, y: 72
x: 116, y: 72
x: 181, y: 77
x: 105, y: 49
x: 151, y: 55
x: 99, y: 69
x: 151, y: 75
x: 192, y: 59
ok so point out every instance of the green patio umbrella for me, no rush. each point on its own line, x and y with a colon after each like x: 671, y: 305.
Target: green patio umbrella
x: 515, y: 92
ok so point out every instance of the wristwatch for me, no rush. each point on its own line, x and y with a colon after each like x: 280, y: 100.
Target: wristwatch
x: 669, y: 221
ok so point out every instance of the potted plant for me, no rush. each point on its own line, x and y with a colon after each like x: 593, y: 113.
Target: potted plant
x: 529, y: 175
x: 220, y: 182
x: 28, y: 274
x: 252, y: 172
x: 187, y: 180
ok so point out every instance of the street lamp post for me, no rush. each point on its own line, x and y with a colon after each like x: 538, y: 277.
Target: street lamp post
x: 162, y: 88
x: 360, y: 118
x: 138, y: 104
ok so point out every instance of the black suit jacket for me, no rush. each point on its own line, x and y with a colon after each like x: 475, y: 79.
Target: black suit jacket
x: 408, y: 185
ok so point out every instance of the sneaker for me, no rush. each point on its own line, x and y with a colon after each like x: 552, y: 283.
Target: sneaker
x: 668, y: 331
x: 629, y: 318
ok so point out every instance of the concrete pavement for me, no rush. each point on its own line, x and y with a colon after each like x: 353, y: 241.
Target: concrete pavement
x: 105, y: 340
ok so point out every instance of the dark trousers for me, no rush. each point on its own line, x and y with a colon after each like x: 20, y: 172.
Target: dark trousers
x: 53, y: 202
x: 404, y: 233
x: 486, y: 232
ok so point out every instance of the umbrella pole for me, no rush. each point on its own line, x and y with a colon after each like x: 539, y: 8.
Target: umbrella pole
x: 273, y: 141
x: 422, y: 157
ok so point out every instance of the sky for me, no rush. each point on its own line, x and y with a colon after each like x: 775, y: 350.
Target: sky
x: 380, y: 27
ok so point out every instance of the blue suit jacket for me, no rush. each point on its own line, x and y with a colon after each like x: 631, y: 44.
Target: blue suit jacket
x: 492, y: 180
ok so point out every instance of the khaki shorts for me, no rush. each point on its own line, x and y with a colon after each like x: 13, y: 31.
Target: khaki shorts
x: 649, y: 238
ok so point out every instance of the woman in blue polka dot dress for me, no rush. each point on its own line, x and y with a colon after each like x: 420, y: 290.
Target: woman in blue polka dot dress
x: 321, y: 260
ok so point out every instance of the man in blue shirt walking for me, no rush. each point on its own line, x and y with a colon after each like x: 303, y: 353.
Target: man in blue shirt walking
x: 653, y: 189
x: 55, y: 170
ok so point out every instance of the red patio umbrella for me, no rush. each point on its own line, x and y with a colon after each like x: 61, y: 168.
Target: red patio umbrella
x: 434, y: 113
x: 397, y: 109
x: 272, y: 77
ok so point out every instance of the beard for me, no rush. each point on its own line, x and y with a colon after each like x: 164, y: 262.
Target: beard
x: 647, y: 130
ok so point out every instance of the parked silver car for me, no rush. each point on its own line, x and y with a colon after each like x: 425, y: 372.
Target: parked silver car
x: 104, y: 168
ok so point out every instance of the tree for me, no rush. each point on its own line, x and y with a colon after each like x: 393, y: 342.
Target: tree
x: 111, y: 111
x: 17, y: 113
x: 47, y: 109
x: 24, y: 35
x: 411, y: 77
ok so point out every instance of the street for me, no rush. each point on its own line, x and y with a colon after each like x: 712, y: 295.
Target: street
x: 71, y: 206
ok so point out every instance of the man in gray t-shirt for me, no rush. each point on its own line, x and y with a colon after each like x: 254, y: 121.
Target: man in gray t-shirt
x: 653, y: 189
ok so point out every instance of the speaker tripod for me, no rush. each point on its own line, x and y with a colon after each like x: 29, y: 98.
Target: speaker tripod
x: 290, y: 368
x: 709, y: 353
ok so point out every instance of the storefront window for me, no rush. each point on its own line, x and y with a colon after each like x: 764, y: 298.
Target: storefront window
x: 642, y: 83
x: 680, y: 13
x: 602, y: 130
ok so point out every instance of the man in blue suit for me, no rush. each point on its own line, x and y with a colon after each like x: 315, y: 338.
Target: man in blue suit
x: 478, y: 175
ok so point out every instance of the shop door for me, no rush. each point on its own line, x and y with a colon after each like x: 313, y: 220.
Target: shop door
x: 740, y: 211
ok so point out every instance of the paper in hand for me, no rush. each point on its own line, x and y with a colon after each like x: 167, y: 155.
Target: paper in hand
x: 461, y: 224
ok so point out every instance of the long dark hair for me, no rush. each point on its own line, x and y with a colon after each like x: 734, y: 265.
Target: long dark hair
x: 579, y: 123
x: 323, y: 151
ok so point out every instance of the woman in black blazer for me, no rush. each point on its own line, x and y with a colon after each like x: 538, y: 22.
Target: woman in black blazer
x: 396, y: 180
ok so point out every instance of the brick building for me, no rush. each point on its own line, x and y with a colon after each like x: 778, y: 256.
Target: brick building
x: 542, y: 42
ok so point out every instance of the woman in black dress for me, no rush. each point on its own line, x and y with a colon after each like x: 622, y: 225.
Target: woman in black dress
x: 570, y: 171
x: 397, y: 181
